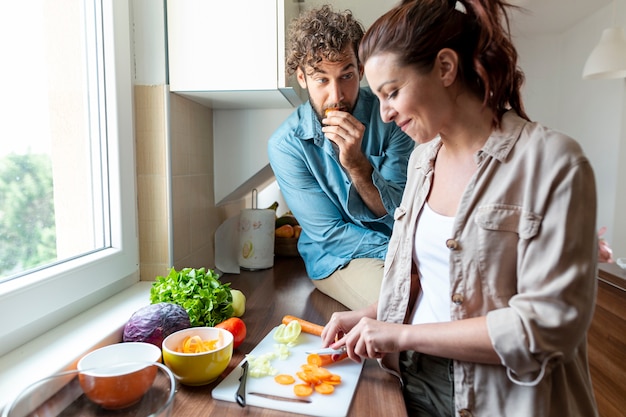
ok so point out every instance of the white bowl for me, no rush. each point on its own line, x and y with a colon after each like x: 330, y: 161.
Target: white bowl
x: 621, y: 262
x: 117, y: 376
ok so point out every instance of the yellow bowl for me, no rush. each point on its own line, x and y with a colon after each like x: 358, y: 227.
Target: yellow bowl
x: 198, y: 368
x: 117, y: 376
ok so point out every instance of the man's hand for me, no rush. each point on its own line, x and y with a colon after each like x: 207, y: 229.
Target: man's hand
x: 345, y: 131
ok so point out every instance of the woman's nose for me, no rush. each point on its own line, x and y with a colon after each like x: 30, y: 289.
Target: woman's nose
x: 387, y: 113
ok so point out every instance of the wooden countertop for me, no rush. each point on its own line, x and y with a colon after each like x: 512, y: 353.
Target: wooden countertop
x: 271, y: 294
x: 612, y: 274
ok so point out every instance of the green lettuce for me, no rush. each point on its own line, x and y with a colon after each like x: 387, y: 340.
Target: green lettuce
x: 199, y: 291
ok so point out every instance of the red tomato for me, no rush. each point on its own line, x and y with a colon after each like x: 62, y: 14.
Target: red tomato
x: 236, y: 327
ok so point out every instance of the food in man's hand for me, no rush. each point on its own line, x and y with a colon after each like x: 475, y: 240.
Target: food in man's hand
x: 328, y: 110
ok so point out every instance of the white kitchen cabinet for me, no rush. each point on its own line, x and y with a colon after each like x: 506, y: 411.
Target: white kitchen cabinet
x: 231, y: 54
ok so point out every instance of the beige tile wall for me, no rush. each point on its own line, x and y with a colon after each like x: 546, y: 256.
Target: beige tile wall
x: 194, y: 214
x: 152, y: 190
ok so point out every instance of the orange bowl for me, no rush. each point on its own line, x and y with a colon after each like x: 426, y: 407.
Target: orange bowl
x: 117, y: 376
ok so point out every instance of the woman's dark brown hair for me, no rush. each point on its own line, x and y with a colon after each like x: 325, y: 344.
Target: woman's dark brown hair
x: 478, y: 30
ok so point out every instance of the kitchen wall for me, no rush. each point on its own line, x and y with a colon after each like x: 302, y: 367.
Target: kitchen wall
x: 175, y: 162
x: 590, y: 111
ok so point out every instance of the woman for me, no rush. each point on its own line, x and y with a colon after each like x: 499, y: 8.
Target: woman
x: 489, y: 283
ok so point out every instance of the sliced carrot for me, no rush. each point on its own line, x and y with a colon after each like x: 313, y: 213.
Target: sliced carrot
x: 195, y: 344
x: 306, y: 326
x: 284, y: 379
x: 325, y: 388
x: 314, y: 359
x: 306, y: 377
x: 334, y: 379
x: 302, y: 390
x: 325, y: 360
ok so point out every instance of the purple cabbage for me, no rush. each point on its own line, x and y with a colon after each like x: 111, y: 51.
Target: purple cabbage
x: 154, y: 322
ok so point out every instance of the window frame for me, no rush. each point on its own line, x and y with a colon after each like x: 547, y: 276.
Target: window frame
x: 43, y: 299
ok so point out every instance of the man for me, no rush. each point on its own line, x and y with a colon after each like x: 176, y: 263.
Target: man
x: 340, y: 169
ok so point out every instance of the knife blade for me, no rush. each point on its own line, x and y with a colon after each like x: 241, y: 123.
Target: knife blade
x: 327, y: 351
x: 279, y: 398
x: 240, y: 395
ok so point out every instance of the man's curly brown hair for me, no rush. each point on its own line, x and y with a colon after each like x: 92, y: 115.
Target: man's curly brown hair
x: 321, y: 34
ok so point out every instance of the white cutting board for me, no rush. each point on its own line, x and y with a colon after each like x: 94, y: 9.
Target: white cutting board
x: 336, y: 404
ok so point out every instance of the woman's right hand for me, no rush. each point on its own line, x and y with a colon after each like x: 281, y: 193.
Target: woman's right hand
x: 342, y: 322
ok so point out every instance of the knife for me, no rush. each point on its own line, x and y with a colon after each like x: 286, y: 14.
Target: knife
x: 279, y: 398
x: 240, y: 395
x: 328, y: 351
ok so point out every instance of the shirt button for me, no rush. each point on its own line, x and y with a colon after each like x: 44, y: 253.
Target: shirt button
x: 457, y: 299
x: 465, y: 413
x: 452, y: 244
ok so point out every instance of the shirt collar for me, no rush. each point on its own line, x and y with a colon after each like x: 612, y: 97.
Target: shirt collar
x: 502, y: 141
x: 498, y: 145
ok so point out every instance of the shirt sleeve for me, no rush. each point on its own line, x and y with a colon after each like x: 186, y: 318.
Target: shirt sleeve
x: 390, y: 172
x: 321, y: 217
x: 547, y: 319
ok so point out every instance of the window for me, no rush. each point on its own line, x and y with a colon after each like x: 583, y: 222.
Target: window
x: 67, y: 207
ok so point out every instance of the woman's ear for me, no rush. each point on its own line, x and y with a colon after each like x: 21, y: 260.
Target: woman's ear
x: 301, y: 77
x: 447, y: 64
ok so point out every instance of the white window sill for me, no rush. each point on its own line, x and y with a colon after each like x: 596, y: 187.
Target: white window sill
x: 62, y: 347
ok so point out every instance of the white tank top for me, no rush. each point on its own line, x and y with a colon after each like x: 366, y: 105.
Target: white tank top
x: 432, y: 259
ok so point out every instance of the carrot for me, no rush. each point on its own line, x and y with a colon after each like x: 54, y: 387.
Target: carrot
x: 334, y: 379
x: 325, y: 388
x: 324, y: 360
x: 302, y: 390
x: 195, y: 344
x: 307, y: 326
x: 284, y: 379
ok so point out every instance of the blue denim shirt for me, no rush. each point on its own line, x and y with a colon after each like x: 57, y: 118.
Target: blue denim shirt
x: 336, y: 224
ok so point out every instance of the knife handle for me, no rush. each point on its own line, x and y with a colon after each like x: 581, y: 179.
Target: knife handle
x: 240, y: 395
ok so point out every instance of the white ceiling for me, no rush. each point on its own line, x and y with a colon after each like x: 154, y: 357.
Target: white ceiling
x: 542, y: 16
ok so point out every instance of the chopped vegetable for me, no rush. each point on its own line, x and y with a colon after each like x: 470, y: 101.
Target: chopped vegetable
x: 261, y: 366
x: 282, y: 351
x: 284, y: 379
x: 198, y: 291
x: 314, y: 378
x: 325, y: 388
x: 306, y: 326
x: 195, y: 344
x: 302, y: 390
x: 325, y: 360
x: 288, y: 333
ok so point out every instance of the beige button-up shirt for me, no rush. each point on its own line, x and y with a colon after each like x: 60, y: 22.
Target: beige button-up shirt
x: 523, y: 253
